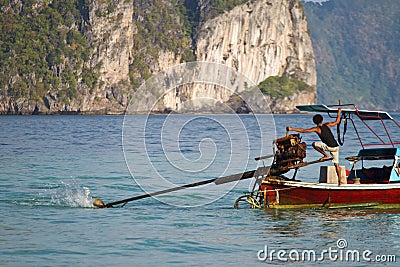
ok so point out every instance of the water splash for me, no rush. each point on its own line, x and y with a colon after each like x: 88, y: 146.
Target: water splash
x: 71, y: 195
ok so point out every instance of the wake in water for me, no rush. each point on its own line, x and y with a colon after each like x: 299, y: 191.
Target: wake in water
x: 71, y: 195
x: 65, y: 194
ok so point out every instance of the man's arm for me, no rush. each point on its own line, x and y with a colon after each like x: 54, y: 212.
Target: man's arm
x: 301, y: 130
x: 337, y: 121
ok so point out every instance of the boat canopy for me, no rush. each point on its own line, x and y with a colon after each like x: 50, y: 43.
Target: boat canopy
x: 378, y: 153
x: 362, y: 114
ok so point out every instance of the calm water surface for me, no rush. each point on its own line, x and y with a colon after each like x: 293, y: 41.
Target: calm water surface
x: 51, y: 168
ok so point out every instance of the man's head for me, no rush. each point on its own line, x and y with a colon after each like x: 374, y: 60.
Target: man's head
x: 317, y: 119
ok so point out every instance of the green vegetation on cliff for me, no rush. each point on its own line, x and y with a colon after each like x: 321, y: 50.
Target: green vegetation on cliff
x: 41, y: 49
x: 217, y: 7
x: 162, y: 25
x: 281, y: 87
x: 356, y: 45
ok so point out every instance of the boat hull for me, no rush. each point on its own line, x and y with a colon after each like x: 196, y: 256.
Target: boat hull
x: 294, y: 194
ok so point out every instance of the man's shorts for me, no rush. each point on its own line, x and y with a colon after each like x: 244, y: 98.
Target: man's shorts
x: 333, y: 150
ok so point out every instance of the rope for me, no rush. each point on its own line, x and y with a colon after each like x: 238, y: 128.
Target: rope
x: 253, y: 201
x: 341, y: 141
x: 274, y: 190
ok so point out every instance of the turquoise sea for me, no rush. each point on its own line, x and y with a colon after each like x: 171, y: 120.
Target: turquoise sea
x: 52, y: 167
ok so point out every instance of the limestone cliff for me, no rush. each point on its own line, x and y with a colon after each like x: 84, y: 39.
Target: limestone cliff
x: 129, y: 41
x: 109, y: 30
x: 259, y: 39
x: 111, y: 36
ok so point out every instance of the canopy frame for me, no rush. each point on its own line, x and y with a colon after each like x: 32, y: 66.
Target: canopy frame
x: 349, y: 110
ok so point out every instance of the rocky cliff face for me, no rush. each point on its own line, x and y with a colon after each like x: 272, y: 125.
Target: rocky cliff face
x: 109, y: 30
x: 111, y: 36
x: 258, y: 39
x: 130, y: 43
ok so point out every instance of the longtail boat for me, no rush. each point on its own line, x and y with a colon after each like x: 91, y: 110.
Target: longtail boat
x: 376, y: 187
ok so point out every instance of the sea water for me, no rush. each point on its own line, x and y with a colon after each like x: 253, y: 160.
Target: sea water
x: 52, y: 167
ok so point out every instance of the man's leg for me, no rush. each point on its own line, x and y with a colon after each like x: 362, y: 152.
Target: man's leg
x: 335, y: 156
x: 337, y: 172
x: 320, y: 150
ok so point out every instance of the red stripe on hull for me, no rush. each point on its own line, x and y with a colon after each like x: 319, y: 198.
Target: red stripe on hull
x: 282, y: 194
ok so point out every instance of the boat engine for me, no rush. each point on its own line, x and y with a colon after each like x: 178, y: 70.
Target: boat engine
x: 290, y: 153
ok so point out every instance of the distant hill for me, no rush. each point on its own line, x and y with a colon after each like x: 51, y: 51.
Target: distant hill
x: 357, y: 51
